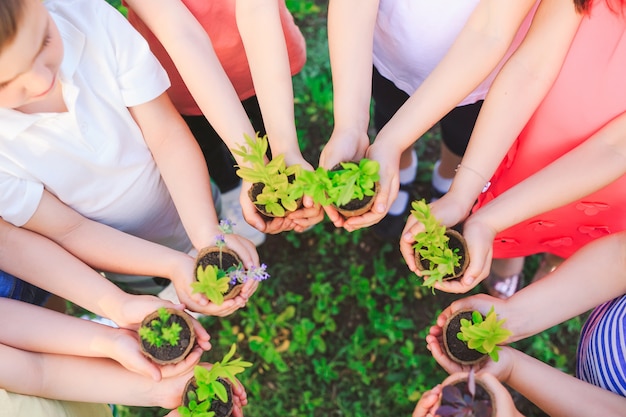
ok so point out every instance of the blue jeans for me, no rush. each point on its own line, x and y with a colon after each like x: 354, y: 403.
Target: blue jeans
x: 16, y: 289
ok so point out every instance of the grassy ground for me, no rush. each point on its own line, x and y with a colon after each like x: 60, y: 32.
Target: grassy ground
x: 339, y: 328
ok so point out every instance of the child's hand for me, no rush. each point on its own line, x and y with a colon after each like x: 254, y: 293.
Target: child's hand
x: 428, y: 403
x: 389, y: 184
x: 483, y: 303
x: 128, y: 310
x: 123, y: 346
x: 343, y: 145
x: 407, y: 241
x: 310, y: 214
x: 255, y: 219
x: 240, y: 398
x: 434, y: 341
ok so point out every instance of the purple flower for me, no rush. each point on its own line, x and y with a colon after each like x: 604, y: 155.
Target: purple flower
x: 241, y: 276
x: 220, y: 241
x: 226, y: 226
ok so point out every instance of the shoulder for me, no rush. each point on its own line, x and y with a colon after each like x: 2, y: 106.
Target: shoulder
x: 84, y: 14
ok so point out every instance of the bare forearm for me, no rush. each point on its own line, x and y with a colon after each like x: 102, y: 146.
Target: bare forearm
x: 480, y: 46
x: 73, y: 378
x: 602, y: 261
x: 51, y: 332
x: 515, y: 94
x: 266, y: 51
x: 198, y: 66
x: 559, y: 394
x: 182, y: 167
x: 350, y: 42
x: 589, y: 167
x: 96, y: 244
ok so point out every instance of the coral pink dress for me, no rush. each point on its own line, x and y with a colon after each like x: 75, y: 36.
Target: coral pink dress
x: 589, y: 92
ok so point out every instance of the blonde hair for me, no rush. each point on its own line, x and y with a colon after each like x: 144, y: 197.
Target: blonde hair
x: 11, y: 15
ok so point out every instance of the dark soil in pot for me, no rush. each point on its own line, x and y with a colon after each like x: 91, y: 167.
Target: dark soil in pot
x: 168, y: 354
x: 229, y: 258
x: 356, y: 207
x: 457, y: 349
x: 255, y: 190
x: 221, y: 409
x: 457, y: 241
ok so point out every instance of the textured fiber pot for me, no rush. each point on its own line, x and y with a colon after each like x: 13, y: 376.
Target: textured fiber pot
x: 255, y: 190
x: 457, y: 349
x: 167, y: 354
x: 457, y: 241
x: 221, y: 409
x: 211, y: 256
x: 356, y: 207
x: 484, y: 399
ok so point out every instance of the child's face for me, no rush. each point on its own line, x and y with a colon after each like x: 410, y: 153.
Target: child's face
x: 29, y: 65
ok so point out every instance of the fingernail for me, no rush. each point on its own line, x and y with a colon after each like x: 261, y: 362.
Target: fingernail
x: 380, y: 208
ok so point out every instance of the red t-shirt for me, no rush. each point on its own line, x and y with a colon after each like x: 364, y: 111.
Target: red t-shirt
x: 589, y: 92
x: 219, y: 21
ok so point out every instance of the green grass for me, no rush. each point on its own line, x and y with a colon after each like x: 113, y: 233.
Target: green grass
x: 338, y: 330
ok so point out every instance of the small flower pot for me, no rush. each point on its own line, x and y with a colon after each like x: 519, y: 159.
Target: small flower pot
x: 483, y: 402
x: 167, y: 354
x: 221, y: 409
x: 211, y: 256
x: 356, y: 207
x: 457, y: 349
x: 457, y: 241
x: 255, y: 190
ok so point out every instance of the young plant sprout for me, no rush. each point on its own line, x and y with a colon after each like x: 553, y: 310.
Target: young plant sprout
x: 159, y: 333
x: 352, y: 181
x: 214, y: 281
x: 278, y: 195
x: 209, y: 387
x: 432, y: 245
x: 484, y: 335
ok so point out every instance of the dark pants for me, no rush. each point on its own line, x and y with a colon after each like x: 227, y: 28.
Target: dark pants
x: 218, y: 158
x: 456, y: 126
x: 16, y: 289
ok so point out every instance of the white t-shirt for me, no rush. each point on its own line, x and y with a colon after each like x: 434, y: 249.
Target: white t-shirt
x: 94, y: 157
x: 412, y: 36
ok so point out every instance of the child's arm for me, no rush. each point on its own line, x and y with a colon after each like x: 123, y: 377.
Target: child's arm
x: 592, y: 165
x: 557, y: 393
x: 73, y: 378
x: 515, y: 94
x: 102, y: 247
x: 350, y: 44
x: 266, y: 51
x: 173, y: 24
x: 37, y: 329
x: 184, y: 171
x: 477, y: 51
x: 531, y: 310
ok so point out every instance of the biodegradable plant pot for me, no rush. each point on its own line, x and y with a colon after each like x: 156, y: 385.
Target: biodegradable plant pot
x: 221, y: 409
x: 356, y: 207
x: 456, y: 349
x: 255, y: 190
x: 211, y: 256
x: 167, y: 354
x: 457, y: 241
x: 482, y: 403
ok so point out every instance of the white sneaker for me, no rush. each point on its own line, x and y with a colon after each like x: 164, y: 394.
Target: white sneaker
x: 231, y: 210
